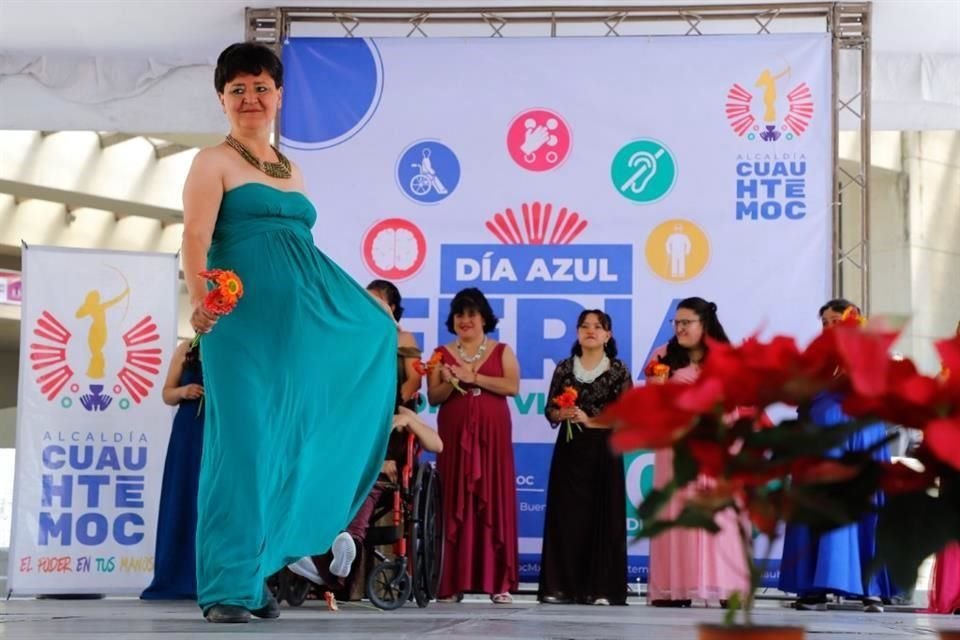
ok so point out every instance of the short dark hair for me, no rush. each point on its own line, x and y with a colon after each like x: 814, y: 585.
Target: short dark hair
x: 246, y: 57
x: 610, y: 348
x: 838, y: 305
x: 472, y: 299
x: 391, y: 293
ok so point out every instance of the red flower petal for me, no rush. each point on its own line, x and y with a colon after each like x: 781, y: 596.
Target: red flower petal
x: 942, y: 437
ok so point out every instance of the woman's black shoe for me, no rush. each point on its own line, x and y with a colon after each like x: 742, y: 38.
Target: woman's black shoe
x: 270, y: 610
x: 672, y: 603
x: 226, y: 613
x: 556, y: 599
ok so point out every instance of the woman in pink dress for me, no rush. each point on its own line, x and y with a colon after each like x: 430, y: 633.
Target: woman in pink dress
x: 691, y: 564
x: 945, y: 580
x: 476, y: 466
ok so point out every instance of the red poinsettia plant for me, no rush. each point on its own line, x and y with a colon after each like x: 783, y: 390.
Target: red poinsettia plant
x: 792, y: 471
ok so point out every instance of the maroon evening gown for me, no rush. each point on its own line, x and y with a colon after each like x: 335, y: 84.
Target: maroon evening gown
x: 479, y: 491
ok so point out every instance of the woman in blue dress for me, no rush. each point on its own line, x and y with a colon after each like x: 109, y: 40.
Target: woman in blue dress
x: 300, y: 377
x: 174, y: 563
x: 817, y: 564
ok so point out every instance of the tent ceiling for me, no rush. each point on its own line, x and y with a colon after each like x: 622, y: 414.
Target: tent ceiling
x: 79, y: 71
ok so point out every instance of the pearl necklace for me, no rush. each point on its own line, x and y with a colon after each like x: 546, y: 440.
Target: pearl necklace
x: 471, y: 359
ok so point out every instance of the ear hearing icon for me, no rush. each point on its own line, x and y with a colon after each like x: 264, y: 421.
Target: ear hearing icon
x: 645, y: 164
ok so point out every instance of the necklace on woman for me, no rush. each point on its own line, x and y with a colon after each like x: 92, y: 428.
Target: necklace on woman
x: 587, y: 376
x: 471, y: 359
x: 280, y: 169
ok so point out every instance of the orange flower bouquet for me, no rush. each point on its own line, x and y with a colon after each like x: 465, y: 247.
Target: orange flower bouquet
x: 423, y: 368
x: 223, y: 297
x: 220, y: 300
x: 436, y: 360
x: 657, y: 369
x: 567, y: 400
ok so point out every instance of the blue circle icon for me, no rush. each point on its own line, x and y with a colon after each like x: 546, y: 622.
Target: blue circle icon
x: 428, y: 171
x: 332, y: 87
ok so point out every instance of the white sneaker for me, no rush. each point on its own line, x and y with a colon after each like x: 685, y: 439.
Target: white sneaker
x: 305, y: 568
x: 344, y: 551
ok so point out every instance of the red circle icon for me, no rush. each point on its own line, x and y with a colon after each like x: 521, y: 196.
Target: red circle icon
x: 394, y: 249
x: 539, y: 140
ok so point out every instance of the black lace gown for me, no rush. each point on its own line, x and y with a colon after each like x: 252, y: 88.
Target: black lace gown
x: 585, y: 538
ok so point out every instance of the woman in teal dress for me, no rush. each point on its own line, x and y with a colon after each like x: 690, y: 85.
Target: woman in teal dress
x: 298, y: 380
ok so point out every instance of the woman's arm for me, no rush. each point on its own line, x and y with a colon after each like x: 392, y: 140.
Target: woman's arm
x: 411, y: 387
x: 202, y: 194
x: 438, y: 385
x: 555, y: 415
x: 172, y: 391
x: 428, y: 438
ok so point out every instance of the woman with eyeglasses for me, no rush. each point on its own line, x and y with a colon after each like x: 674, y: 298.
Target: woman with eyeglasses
x: 691, y: 564
x: 584, y: 557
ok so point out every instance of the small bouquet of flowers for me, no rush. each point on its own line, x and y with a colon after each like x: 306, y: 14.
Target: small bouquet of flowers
x: 567, y: 400
x: 436, y: 360
x: 423, y: 368
x: 222, y: 299
x: 656, y: 369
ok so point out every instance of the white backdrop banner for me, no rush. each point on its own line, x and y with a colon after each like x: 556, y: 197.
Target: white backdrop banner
x: 570, y: 173
x: 97, y: 332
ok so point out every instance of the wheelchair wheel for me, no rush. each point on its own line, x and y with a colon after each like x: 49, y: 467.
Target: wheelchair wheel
x: 432, y: 525
x: 388, y: 585
x: 273, y: 584
x: 426, y: 535
x: 297, y: 590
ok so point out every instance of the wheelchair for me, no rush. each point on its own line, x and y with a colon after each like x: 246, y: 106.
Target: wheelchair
x: 413, y: 506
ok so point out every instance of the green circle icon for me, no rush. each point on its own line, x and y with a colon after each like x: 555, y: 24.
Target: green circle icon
x: 643, y: 171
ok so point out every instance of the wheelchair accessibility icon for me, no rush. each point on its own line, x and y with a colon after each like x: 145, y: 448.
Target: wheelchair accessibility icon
x: 428, y: 172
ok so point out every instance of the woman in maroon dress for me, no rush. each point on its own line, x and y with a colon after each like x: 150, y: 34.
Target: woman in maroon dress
x: 476, y: 466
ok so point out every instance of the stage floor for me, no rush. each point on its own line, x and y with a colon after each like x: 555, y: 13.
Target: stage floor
x: 129, y: 619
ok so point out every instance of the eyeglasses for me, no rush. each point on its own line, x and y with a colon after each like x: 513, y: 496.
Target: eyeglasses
x: 683, y: 323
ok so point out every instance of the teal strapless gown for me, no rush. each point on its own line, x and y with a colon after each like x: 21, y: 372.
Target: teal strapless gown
x: 300, y: 383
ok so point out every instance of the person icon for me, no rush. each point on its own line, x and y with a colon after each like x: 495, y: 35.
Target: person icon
x: 427, y: 170
x: 97, y: 336
x: 678, y: 247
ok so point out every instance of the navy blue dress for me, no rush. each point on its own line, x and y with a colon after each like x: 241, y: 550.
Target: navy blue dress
x: 175, y: 561
x: 833, y: 562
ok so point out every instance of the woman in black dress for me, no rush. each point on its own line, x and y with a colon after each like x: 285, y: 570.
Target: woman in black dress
x: 584, y: 557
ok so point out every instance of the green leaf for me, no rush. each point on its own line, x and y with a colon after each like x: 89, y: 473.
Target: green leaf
x: 734, y: 604
x: 655, y: 501
x: 655, y: 528
x: 695, y: 518
x: 912, y: 527
x: 794, y: 439
x: 685, y: 467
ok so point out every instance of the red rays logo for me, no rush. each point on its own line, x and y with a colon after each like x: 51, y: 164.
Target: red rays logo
x: 760, y: 119
x: 539, y: 225
x: 135, y: 378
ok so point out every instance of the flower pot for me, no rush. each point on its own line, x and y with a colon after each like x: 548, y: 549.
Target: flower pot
x: 737, y: 632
